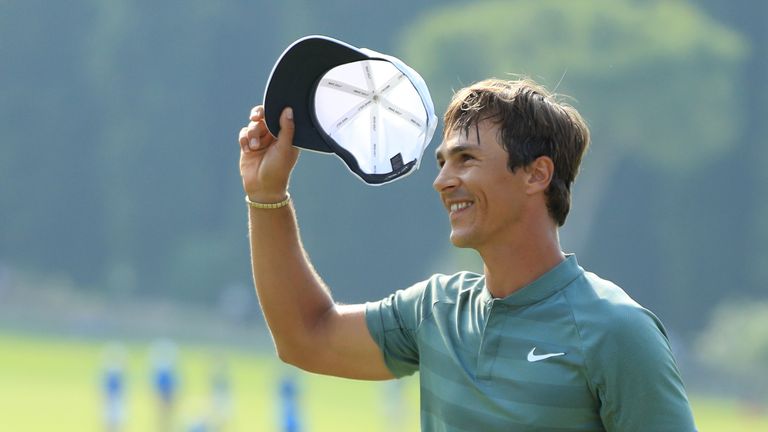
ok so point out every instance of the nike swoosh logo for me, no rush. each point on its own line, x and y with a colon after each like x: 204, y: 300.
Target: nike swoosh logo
x: 534, y: 358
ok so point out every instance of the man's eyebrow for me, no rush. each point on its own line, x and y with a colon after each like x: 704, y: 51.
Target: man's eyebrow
x: 458, y: 148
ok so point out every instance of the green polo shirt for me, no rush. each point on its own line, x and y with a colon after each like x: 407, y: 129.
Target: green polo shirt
x: 569, y: 352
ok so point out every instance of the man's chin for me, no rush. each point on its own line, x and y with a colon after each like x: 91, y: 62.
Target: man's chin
x: 459, y: 240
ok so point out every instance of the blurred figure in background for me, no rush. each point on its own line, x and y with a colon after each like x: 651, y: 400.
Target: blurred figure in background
x: 289, y: 404
x: 163, y: 357
x: 113, y: 387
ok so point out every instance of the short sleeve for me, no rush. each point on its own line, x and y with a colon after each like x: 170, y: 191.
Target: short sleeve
x: 393, y: 323
x: 636, y: 378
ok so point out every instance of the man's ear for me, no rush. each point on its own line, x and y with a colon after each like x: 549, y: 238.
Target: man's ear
x: 540, y: 173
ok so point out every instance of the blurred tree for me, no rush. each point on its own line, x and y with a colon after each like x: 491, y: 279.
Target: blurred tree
x: 114, y: 166
x: 655, y: 81
x: 48, y: 189
x: 747, y: 166
x: 161, y: 192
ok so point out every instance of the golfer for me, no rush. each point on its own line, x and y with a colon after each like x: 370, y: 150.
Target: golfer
x: 535, y: 343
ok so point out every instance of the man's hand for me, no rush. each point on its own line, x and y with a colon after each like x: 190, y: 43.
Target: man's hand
x: 266, y: 162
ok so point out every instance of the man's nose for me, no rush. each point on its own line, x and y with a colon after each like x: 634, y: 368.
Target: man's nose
x: 445, y: 179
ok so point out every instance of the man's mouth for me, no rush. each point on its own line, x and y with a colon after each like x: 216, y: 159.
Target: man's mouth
x: 455, y: 207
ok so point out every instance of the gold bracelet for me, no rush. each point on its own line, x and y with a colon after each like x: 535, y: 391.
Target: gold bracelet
x: 276, y: 205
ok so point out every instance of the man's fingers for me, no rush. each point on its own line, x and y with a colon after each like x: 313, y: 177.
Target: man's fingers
x: 250, y: 140
x: 257, y: 113
x: 256, y: 136
x: 257, y: 129
x: 243, y: 139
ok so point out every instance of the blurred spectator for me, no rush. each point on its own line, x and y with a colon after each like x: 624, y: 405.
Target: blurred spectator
x: 113, y: 387
x: 163, y: 355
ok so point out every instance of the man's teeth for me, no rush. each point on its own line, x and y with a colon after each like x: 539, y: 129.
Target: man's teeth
x: 459, y: 206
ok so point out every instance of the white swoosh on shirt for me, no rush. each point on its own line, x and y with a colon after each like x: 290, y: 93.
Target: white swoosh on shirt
x: 534, y: 358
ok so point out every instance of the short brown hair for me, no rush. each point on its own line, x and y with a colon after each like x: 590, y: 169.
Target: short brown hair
x: 532, y: 123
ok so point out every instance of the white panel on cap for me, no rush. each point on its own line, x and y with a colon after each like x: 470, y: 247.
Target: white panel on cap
x: 373, y: 111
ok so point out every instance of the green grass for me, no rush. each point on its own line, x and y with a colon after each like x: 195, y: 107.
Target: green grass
x: 724, y: 415
x: 48, y: 384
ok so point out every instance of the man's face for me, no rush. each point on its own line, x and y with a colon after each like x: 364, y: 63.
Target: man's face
x: 483, y: 197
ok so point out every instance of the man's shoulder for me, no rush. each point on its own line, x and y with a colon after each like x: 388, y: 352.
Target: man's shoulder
x: 626, y: 354
x: 418, y: 299
x: 590, y: 291
x: 443, y: 288
x: 448, y: 287
x: 600, y: 305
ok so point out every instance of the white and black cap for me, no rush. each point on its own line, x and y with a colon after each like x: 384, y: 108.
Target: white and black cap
x: 368, y: 108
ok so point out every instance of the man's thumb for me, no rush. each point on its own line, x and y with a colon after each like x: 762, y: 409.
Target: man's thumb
x: 287, y: 127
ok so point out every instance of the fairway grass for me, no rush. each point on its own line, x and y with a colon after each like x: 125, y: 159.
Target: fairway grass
x: 51, y: 384
x: 48, y: 384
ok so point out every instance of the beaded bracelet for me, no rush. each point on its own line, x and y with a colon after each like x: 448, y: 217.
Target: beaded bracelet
x: 276, y: 205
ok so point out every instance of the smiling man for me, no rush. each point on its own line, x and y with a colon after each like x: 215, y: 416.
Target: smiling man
x: 535, y: 343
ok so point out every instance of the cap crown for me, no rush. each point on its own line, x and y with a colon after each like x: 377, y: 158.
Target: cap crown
x: 370, y: 109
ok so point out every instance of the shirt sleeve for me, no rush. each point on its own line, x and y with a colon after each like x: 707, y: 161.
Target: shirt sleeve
x: 393, y: 323
x: 636, y: 378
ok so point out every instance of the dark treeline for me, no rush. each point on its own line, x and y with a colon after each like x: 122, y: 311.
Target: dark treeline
x: 118, y: 157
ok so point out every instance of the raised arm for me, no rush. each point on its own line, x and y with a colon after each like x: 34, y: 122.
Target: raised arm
x: 309, y: 330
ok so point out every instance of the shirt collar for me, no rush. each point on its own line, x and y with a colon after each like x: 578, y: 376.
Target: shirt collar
x: 547, y: 284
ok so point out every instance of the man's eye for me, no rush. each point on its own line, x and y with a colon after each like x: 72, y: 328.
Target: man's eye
x: 466, y: 157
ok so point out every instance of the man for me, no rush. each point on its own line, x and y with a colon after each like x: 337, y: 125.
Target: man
x: 535, y: 343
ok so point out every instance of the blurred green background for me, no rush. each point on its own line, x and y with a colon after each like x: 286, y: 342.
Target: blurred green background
x: 122, y: 217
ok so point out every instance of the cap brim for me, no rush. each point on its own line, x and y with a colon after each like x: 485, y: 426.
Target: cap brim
x: 292, y: 82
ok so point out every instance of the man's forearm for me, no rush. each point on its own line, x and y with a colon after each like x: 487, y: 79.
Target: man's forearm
x: 292, y: 295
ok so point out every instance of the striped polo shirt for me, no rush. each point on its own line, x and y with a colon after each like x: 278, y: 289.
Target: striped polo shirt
x: 568, y: 352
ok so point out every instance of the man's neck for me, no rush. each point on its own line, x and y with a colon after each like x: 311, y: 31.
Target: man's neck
x: 512, y: 265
